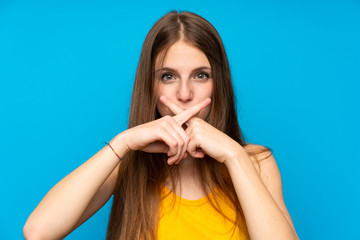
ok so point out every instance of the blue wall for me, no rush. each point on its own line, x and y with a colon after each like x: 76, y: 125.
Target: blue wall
x: 66, y: 75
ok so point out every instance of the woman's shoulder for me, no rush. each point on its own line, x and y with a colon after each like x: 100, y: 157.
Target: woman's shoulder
x: 259, y: 154
x: 257, y: 151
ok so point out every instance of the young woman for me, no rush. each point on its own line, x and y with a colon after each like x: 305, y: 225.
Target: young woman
x: 186, y: 171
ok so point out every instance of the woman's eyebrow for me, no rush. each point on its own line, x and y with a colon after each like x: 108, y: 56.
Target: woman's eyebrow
x: 174, y: 70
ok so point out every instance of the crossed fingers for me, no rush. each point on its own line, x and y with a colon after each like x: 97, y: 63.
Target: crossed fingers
x: 183, y: 116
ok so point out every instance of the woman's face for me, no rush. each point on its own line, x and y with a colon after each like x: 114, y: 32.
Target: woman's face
x: 185, y: 78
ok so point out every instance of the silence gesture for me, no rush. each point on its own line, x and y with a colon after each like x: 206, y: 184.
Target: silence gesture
x: 164, y: 135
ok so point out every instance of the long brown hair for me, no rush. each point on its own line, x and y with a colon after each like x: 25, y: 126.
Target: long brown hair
x: 137, y: 194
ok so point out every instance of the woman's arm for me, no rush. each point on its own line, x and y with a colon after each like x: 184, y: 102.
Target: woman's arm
x: 80, y: 194
x: 260, y: 196
x: 101, y: 197
x: 65, y: 206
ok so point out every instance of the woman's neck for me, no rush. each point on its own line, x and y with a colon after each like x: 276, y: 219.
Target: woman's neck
x: 189, y: 179
x: 187, y: 164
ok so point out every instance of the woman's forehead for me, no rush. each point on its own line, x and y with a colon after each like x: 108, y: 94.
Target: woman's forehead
x: 181, y: 55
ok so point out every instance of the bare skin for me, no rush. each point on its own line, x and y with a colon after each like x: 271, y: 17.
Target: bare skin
x: 184, y: 95
x: 85, y: 190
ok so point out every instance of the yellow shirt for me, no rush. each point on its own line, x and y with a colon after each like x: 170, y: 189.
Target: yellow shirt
x: 196, y: 219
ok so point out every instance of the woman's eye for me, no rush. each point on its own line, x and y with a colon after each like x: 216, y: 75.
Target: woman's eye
x: 167, y: 76
x: 203, y: 75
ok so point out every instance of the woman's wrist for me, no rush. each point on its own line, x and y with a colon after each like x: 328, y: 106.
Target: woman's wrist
x: 119, y: 144
x: 235, y: 157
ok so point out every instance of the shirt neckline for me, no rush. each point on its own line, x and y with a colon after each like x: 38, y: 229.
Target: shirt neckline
x: 185, y: 201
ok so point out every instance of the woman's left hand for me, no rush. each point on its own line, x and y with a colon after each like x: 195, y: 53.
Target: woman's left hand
x: 206, y: 139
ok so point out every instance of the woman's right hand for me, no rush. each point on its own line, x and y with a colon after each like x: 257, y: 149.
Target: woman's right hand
x: 164, y: 135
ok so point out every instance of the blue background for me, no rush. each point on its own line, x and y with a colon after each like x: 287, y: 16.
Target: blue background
x: 66, y: 75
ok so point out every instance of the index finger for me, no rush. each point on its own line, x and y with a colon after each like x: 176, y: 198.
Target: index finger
x: 185, y: 115
x: 172, y: 106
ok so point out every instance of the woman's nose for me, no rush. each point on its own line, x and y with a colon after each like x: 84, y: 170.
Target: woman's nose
x: 184, y: 93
